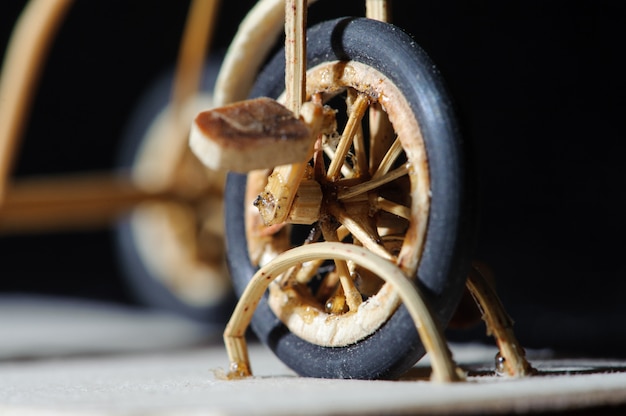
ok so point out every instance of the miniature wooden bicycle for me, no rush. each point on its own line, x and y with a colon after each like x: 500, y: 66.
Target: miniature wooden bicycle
x: 347, y: 209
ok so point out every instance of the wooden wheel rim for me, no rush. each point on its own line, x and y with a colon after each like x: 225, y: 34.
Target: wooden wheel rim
x: 310, y: 321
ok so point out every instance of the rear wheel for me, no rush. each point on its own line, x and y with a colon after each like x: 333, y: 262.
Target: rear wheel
x: 172, y: 251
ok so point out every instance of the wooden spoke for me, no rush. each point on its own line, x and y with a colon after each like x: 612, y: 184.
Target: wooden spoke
x: 381, y: 136
x: 360, y: 230
x: 342, y: 232
x: 359, y: 141
x: 392, y: 207
x: 307, y: 271
x: 388, y: 160
x: 346, y: 170
x: 351, y: 293
x: 288, y: 276
x: 352, y: 126
x: 372, y: 193
x: 373, y: 184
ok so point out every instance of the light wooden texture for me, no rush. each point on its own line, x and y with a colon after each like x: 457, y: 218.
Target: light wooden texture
x: 192, y: 53
x: 276, y: 202
x: 70, y: 201
x: 444, y: 368
x: 285, y: 178
x: 255, y: 37
x: 353, y: 213
x: 378, y: 10
x: 499, y: 324
x: 249, y: 135
x: 22, y: 65
x: 295, y: 54
x: 347, y: 137
x: 105, y: 197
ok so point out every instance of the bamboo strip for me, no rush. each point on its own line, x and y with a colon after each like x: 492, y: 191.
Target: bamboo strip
x: 378, y: 10
x: 393, y: 208
x: 284, y: 181
x: 352, y: 126
x: 361, y: 167
x: 358, y: 229
x: 69, y: 201
x: 192, y: 52
x: 499, y: 324
x: 444, y: 367
x: 381, y: 136
x: 295, y: 54
x: 388, y: 160
x: 373, y: 183
x: 351, y: 293
x: 379, y: 125
x: 23, y: 61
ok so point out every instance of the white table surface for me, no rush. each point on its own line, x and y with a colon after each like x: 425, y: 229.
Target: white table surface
x: 79, y: 358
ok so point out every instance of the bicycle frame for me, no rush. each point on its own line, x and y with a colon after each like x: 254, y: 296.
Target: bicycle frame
x: 82, y: 200
x: 69, y: 201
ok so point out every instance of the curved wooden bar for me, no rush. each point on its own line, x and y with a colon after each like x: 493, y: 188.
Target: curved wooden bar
x: 23, y: 61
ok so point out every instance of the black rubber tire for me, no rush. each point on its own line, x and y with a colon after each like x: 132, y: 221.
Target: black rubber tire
x: 148, y: 291
x: 396, y: 346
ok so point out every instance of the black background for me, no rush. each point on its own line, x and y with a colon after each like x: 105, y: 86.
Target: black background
x: 540, y: 90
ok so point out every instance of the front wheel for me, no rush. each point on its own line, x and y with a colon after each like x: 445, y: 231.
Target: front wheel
x: 391, y: 172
